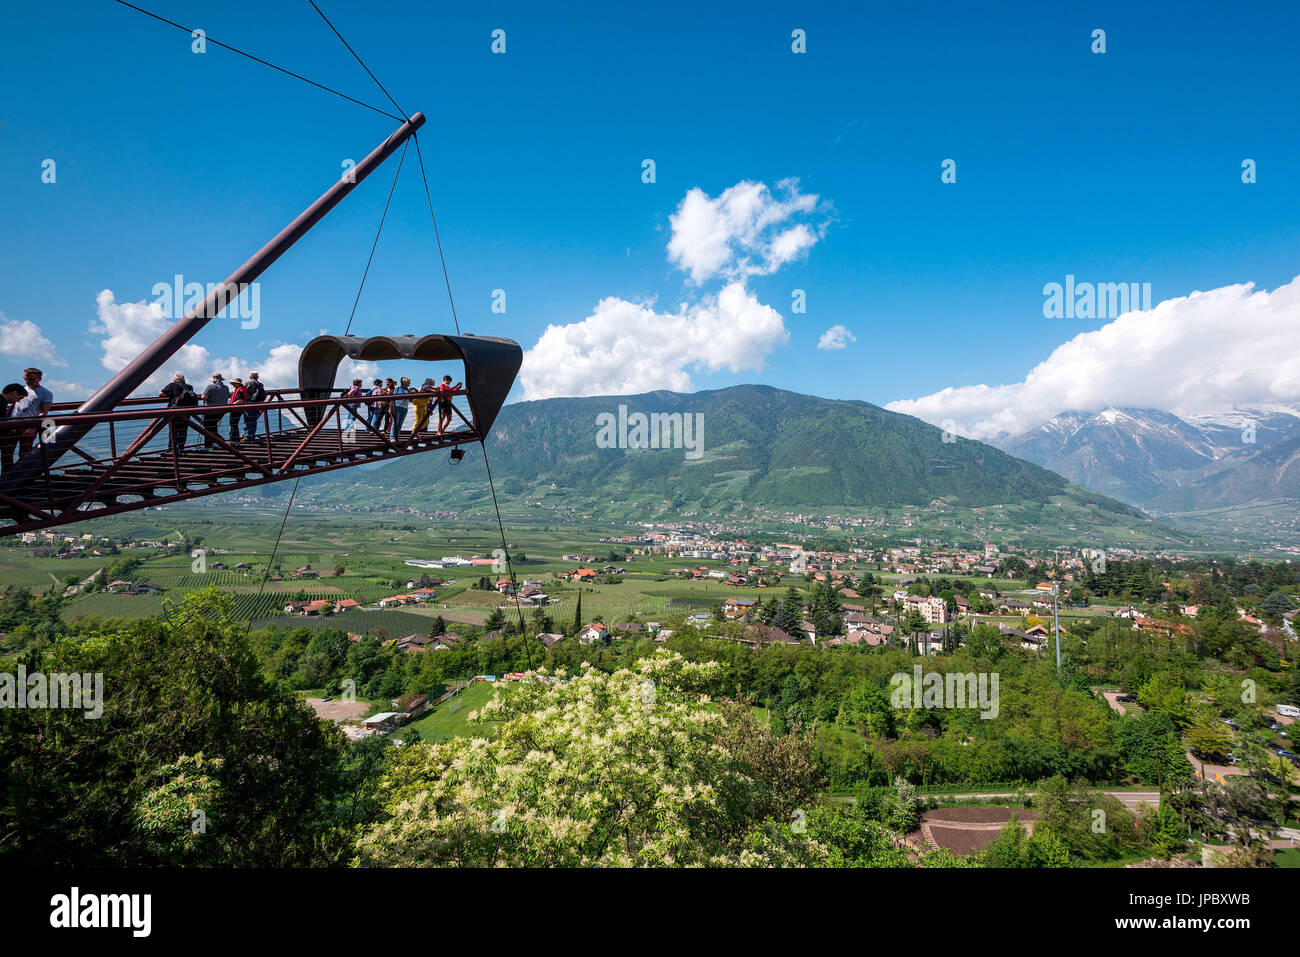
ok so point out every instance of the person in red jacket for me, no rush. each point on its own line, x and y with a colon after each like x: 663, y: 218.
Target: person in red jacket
x: 445, y: 392
x: 238, y: 397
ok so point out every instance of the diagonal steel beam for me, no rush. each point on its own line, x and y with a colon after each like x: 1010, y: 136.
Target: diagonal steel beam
x: 139, y: 369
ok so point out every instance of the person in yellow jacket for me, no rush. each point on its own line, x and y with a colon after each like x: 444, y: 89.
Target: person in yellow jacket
x: 421, y: 402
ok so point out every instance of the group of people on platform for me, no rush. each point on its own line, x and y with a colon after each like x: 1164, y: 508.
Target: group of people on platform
x: 386, y: 409
x: 217, y: 399
x: 387, y: 405
x: 22, y: 400
x: 389, y: 401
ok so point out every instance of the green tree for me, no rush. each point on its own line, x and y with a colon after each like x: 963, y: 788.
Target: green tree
x: 1166, y: 694
x: 679, y: 783
x: 852, y: 838
x: 188, y: 724
x: 1208, y: 736
x: 1170, y: 834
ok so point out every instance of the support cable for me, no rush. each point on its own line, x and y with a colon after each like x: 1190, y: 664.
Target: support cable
x: 358, y: 58
x: 257, y: 59
x: 375, y: 244
x: 437, y: 238
x: 514, y: 584
x: 294, y: 493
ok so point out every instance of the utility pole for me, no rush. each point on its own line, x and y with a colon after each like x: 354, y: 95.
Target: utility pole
x: 1056, y: 621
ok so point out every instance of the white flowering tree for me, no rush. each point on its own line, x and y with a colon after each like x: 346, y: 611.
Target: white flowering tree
x: 634, y: 768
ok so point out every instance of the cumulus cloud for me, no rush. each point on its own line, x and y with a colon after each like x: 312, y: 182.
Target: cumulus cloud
x: 24, y: 339
x: 1201, y: 353
x: 836, y: 337
x: 65, y: 391
x: 748, y: 230
x: 627, y: 347
x: 128, y: 327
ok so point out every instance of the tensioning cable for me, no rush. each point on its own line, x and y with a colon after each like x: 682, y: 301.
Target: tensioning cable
x: 289, y: 505
x: 373, y: 246
x: 358, y: 58
x: 438, y: 239
x: 505, y: 550
x: 257, y: 59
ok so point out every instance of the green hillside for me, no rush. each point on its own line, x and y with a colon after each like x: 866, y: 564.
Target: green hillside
x: 760, y: 445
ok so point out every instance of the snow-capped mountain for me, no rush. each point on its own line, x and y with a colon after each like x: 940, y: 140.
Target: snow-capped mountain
x: 1141, y: 455
x: 1272, y: 424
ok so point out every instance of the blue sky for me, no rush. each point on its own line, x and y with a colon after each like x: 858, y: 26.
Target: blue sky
x: 1115, y: 167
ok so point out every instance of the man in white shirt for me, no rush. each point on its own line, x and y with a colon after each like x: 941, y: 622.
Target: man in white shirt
x: 34, y: 404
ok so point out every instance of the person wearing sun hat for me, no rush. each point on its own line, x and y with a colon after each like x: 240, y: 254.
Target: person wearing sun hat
x: 238, y: 398
x: 256, y: 393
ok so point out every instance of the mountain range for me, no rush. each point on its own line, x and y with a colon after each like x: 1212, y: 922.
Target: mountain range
x: 1167, y: 464
x: 760, y: 446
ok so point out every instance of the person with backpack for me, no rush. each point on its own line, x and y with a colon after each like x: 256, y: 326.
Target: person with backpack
x: 217, y: 394
x: 256, y: 393
x: 376, y: 408
x: 354, y: 411
x: 422, y: 403
x: 179, y: 395
x: 238, y: 397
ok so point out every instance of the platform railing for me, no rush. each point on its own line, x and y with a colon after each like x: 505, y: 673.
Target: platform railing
x: 141, y: 454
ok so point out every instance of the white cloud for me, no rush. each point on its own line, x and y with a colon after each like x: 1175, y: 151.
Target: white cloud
x: 836, y: 337
x: 748, y: 230
x: 1200, y: 353
x: 65, y: 391
x: 626, y: 347
x: 24, y: 339
x: 128, y: 327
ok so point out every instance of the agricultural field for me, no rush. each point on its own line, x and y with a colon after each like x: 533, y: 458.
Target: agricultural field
x: 451, y: 718
x: 395, y: 623
x: 371, y: 549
